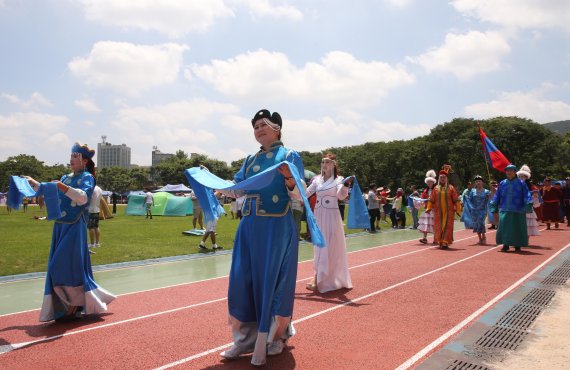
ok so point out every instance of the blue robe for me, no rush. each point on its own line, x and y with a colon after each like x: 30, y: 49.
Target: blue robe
x: 69, y: 279
x: 478, y: 201
x: 512, y: 200
x: 264, y: 260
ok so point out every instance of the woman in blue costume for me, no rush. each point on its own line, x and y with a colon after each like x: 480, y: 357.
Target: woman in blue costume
x: 264, y: 259
x: 478, y: 199
x: 70, y: 287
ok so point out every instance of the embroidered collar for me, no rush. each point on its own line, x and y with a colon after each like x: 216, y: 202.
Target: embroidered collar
x: 275, y: 144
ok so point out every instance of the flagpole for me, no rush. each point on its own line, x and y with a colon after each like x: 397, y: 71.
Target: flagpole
x: 484, y: 153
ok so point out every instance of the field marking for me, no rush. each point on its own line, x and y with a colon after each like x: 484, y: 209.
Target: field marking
x: 427, y: 349
x: 330, y: 309
x: 10, y: 347
x: 209, y: 279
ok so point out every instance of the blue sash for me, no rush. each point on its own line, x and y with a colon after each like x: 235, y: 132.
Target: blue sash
x: 358, y: 217
x: 203, y: 181
x: 20, y: 188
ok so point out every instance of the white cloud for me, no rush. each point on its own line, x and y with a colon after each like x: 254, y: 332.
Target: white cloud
x: 466, y: 55
x: 174, y: 18
x: 531, y: 105
x: 193, y: 126
x: 339, y: 78
x: 518, y: 14
x: 399, y: 3
x: 35, y: 101
x: 264, y: 9
x: 128, y: 68
x: 88, y: 105
x: 21, y: 132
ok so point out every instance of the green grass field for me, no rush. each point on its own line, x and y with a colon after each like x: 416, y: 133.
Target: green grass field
x: 26, y: 241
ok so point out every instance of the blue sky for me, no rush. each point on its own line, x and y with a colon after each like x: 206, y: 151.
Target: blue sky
x: 190, y: 74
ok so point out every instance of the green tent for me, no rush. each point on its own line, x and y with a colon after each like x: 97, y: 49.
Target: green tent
x: 165, y: 204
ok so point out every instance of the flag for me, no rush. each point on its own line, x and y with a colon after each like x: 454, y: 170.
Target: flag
x: 494, y: 155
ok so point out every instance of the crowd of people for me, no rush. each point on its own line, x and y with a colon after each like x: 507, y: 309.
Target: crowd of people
x: 263, y: 272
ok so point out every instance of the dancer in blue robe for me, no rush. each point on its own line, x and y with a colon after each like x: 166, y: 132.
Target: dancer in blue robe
x: 70, y: 288
x: 478, y: 199
x: 264, y: 259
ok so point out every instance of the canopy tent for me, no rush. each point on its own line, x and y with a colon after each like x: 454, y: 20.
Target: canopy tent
x: 165, y: 204
x: 180, y: 188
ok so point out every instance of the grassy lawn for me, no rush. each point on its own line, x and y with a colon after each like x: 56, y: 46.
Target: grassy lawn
x: 26, y: 241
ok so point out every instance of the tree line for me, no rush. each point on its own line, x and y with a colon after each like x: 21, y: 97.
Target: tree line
x: 398, y: 163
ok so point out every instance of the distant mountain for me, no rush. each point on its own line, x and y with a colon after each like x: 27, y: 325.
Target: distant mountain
x: 560, y: 127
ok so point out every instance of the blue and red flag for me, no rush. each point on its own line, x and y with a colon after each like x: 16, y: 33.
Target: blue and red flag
x: 494, y: 155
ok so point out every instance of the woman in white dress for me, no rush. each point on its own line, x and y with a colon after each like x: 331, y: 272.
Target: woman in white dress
x: 426, y: 219
x: 330, y: 263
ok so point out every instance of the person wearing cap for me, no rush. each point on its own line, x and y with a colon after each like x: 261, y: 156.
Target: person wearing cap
x: 331, y: 263
x: 510, y: 204
x: 444, y: 201
x: 478, y: 198
x: 426, y: 219
x: 552, y: 197
x: 531, y: 220
x: 490, y: 215
x: 263, y: 272
x: 70, y: 287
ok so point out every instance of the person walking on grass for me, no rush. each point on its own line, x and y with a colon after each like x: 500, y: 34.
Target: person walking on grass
x: 210, y: 231
x: 93, y: 221
x: 149, y: 203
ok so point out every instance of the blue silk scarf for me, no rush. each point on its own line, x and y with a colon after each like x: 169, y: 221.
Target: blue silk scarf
x: 203, y: 181
x: 20, y: 188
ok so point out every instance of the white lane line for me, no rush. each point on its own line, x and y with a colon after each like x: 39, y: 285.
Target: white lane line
x: 10, y: 347
x: 427, y: 349
x: 209, y: 279
x: 319, y: 313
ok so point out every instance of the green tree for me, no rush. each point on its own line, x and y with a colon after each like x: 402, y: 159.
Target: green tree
x: 21, y: 164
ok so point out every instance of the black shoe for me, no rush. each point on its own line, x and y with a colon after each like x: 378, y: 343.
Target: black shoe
x: 202, y: 247
x: 517, y: 249
x: 505, y: 248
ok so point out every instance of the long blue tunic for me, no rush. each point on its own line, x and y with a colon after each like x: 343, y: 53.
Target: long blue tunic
x: 69, y: 279
x: 478, y: 200
x: 512, y: 200
x: 264, y: 260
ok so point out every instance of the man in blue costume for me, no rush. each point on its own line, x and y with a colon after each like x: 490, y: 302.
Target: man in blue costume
x: 70, y: 287
x: 511, y: 202
x: 264, y: 260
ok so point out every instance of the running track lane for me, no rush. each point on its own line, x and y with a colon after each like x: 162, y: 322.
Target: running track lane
x: 380, y: 331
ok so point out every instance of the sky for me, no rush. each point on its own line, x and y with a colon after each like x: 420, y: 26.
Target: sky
x: 190, y: 74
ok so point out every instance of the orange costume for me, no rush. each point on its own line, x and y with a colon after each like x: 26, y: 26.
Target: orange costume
x: 444, y: 202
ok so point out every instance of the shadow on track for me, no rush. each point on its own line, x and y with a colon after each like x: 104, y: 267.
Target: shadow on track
x: 285, y: 361
x: 46, y: 332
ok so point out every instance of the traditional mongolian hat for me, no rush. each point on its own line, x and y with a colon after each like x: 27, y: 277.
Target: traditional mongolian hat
x: 430, y: 177
x: 525, y: 171
x: 445, y: 170
x: 83, y: 149
x: 511, y: 167
x: 264, y: 113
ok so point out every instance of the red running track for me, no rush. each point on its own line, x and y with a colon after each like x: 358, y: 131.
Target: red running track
x: 406, y: 296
